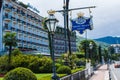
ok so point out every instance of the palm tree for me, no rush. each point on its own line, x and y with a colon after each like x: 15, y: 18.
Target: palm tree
x: 84, y: 47
x: 10, y: 40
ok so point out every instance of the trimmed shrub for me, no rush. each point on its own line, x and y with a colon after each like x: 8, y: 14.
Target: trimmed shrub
x: 64, y: 70
x: 16, y: 52
x: 57, y: 65
x: 34, y: 66
x: 20, y: 74
x: 46, y: 65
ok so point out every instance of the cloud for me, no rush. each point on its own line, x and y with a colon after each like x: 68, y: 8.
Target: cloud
x: 106, y: 17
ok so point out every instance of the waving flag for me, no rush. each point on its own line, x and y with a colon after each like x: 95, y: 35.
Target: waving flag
x: 81, y: 24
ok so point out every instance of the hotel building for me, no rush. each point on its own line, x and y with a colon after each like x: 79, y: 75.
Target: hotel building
x: 116, y: 48
x: 61, y: 42
x: 27, y: 25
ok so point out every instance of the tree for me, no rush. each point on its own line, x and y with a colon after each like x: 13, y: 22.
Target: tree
x: 84, y: 47
x: 10, y: 41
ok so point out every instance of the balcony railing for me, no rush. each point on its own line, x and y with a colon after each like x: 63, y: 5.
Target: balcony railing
x: 7, y: 20
x: 7, y: 9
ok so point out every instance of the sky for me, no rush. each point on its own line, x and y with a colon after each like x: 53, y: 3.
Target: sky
x: 106, y: 15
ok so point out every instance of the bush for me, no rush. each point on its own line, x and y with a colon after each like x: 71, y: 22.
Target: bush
x: 46, y: 66
x: 57, y: 65
x: 80, y: 62
x: 20, y: 61
x: 34, y: 66
x: 20, y: 74
x: 16, y: 52
x: 64, y: 70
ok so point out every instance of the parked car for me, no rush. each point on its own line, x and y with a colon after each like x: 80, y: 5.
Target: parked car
x: 117, y: 65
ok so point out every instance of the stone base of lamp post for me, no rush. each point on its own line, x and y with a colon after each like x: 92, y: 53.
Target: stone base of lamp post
x: 55, y: 77
x: 88, y: 66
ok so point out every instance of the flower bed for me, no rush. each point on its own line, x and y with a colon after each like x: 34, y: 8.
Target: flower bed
x: 2, y: 75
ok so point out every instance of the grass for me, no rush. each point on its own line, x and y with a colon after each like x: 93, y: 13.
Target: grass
x: 78, y: 69
x: 47, y: 76
x: 1, y: 78
x: 44, y: 76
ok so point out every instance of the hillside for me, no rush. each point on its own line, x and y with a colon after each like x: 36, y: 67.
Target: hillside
x: 103, y: 44
x: 109, y: 40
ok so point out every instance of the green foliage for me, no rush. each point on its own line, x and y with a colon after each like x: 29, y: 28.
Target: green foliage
x: 57, y: 65
x: 115, y: 57
x: 69, y: 59
x: 10, y: 39
x: 80, y: 62
x: 64, y: 70
x: 3, y: 64
x: 21, y: 60
x: 78, y: 69
x: 80, y: 55
x: 46, y: 65
x: 16, y: 52
x: 89, y: 53
x: 23, y: 5
x: 33, y: 62
x: 20, y: 74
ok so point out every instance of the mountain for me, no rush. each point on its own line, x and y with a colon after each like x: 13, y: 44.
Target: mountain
x: 103, y: 44
x: 109, y: 40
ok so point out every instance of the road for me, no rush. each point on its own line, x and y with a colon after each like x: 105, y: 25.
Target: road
x: 114, y: 72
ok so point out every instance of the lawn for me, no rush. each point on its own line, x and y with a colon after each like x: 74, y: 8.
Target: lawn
x: 1, y: 78
x: 44, y: 76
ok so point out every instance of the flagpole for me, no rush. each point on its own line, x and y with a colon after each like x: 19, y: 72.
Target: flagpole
x: 86, y: 54
x: 65, y: 32
x: 68, y: 31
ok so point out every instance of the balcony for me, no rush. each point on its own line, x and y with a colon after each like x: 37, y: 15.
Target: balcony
x: 19, y: 15
x: 24, y: 25
x: 8, y: 0
x: 7, y: 9
x: 7, y: 20
x: 24, y: 17
x: 14, y: 22
x: 20, y: 24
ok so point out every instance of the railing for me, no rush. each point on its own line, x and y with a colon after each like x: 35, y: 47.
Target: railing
x: 81, y: 75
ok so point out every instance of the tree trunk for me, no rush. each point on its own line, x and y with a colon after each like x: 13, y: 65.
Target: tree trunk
x: 9, y: 55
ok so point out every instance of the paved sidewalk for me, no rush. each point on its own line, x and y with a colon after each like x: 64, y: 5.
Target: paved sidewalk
x: 101, y: 74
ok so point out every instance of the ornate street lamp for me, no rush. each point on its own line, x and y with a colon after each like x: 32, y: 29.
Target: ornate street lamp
x: 51, y: 23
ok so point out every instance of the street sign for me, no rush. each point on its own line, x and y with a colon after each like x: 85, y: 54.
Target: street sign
x: 81, y: 24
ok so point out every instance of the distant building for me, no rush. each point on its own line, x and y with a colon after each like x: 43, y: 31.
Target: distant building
x: 59, y: 41
x: 116, y: 48
x: 27, y: 25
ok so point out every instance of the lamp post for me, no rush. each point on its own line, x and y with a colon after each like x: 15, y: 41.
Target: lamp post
x: 88, y: 64
x: 91, y: 47
x: 51, y: 25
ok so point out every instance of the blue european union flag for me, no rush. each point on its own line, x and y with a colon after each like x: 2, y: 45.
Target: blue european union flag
x: 81, y: 24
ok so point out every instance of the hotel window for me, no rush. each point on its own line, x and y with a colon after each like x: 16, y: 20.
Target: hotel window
x: 25, y: 45
x: 19, y: 35
x: 29, y: 37
x: 25, y: 35
x: 19, y: 44
x: 6, y: 26
x: 29, y: 28
x: 37, y: 39
x: 37, y: 31
x: 33, y: 29
x: 6, y: 15
x: 25, y: 27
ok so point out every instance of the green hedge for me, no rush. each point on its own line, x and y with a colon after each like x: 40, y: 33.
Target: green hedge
x: 64, y: 70
x: 33, y: 62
